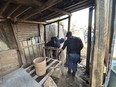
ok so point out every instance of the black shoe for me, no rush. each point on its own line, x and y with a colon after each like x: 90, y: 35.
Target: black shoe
x: 69, y: 72
x: 73, y: 74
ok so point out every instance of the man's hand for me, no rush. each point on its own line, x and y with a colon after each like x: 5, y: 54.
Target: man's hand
x: 79, y: 60
x: 59, y: 53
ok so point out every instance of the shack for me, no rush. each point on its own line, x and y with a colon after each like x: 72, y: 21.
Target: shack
x: 23, y: 33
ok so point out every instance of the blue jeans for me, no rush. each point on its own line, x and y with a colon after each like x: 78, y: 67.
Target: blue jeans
x: 73, y: 59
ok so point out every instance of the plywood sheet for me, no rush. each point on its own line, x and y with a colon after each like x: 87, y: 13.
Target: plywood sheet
x: 18, y: 78
x: 8, y: 61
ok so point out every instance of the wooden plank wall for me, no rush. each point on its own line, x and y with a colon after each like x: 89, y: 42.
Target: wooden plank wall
x: 26, y: 31
x: 12, y: 35
x: 6, y: 35
x: 8, y: 61
x: 41, y: 27
x: 29, y: 41
x: 32, y: 50
x: 102, y: 34
x: 9, y: 58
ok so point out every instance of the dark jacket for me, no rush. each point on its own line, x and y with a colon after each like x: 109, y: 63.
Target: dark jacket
x: 55, y: 42
x: 73, y: 44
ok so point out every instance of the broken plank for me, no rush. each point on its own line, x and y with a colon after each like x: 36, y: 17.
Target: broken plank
x: 50, y: 64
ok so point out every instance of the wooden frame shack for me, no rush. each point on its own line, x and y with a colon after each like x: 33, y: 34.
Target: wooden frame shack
x: 23, y: 28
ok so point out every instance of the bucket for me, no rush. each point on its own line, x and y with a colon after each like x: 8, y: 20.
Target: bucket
x: 40, y: 65
x: 112, y: 82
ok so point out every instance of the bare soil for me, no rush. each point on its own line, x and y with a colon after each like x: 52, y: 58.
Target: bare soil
x: 80, y: 79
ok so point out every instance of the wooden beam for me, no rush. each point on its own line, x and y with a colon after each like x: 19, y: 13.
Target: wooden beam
x: 39, y: 30
x: 1, y: 17
x: 56, y: 21
x: 49, y: 15
x: 111, y: 42
x: 55, y: 9
x: 14, y: 10
x: 58, y: 29
x: 37, y: 44
x: 5, y: 7
x: 39, y: 4
x: 112, y: 16
x: 52, y: 48
x: 14, y: 26
x: 25, y: 2
x: 47, y: 5
x: 78, y: 6
x: 63, y: 10
x: 102, y: 28
x: 69, y: 22
x: 32, y: 22
x: 56, y: 15
x: 23, y: 12
x: 45, y: 33
x: 89, y: 40
x: 84, y: 4
x: 59, y: 11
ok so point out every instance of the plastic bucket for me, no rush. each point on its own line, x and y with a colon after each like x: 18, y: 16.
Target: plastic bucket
x: 40, y: 65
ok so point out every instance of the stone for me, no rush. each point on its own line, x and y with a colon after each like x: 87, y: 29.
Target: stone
x: 49, y: 83
x: 57, y: 73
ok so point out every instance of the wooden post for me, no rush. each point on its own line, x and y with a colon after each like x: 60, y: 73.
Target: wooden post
x: 38, y: 29
x: 111, y: 23
x: 19, y: 46
x: 58, y: 29
x: 45, y: 33
x: 102, y: 27
x: 89, y: 40
x: 69, y: 19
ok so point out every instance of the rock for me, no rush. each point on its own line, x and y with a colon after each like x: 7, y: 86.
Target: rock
x: 79, y: 80
x: 49, y: 83
x: 57, y: 73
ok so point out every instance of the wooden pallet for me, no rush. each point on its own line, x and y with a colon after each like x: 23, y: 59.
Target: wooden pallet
x: 51, y: 65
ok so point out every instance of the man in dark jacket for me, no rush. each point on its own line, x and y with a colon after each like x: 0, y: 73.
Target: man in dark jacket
x: 55, y: 42
x: 74, y: 46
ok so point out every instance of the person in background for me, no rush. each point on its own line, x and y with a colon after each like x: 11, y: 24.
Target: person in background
x: 74, y: 46
x: 54, y: 42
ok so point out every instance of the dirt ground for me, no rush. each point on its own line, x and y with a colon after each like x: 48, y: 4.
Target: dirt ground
x: 67, y: 80
x: 80, y: 79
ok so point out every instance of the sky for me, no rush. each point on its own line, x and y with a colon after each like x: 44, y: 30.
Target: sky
x: 80, y: 18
